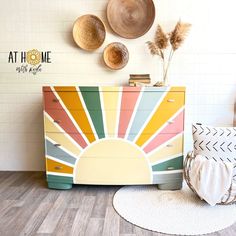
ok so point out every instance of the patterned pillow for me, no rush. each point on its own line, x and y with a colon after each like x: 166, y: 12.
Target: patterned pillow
x: 218, y: 143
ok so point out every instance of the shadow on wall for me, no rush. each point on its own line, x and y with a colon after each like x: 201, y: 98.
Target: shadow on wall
x: 37, y: 149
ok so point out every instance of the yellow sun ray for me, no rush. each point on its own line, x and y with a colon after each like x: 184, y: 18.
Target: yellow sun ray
x: 171, y: 103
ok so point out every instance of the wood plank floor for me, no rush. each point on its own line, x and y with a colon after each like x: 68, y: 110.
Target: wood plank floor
x: 28, y: 207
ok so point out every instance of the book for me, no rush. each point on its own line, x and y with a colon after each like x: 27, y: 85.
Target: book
x: 139, y: 85
x: 139, y: 75
x: 140, y: 80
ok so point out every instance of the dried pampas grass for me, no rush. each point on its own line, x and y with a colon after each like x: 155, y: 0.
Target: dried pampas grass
x: 163, y: 41
x: 178, y: 35
x: 154, y: 50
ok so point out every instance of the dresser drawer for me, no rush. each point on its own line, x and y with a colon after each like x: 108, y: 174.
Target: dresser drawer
x: 65, y: 122
x: 167, y: 146
x: 55, y: 166
x: 167, y: 100
x: 112, y: 171
x: 170, y: 127
x: 170, y: 165
x: 79, y: 101
x: 56, y: 150
x: 165, y: 149
x: 64, y: 140
x: 55, y: 102
x: 71, y: 100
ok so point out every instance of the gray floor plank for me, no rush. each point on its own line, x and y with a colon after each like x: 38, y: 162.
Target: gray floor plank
x: 111, y: 223
x: 7, y: 220
x: 99, y: 209
x: 111, y: 192
x: 16, y: 224
x: 64, y: 226
x: 92, y: 190
x: 19, y: 188
x: 55, y: 213
x: 24, y: 212
x: 52, y: 196
x: 23, y: 179
x: 78, y: 193
x: 5, y: 174
x: 6, y: 182
x: 158, y: 234
x: 32, y: 225
x: 6, y: 205
x: 41, y: 234
x: 95, y: 227
x: 126, y: 227
x: 127, y: 234
x: 82, y: 216
x: 142, y: 232
x: 14, y: 193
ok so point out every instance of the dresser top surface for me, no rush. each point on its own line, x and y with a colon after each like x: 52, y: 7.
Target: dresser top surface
x: 112, y: 88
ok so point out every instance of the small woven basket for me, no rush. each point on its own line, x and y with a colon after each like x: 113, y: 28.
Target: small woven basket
x: 116, y: 56
x: 228, y: 198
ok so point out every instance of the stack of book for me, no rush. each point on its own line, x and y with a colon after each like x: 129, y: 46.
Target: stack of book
x: 139, y: 79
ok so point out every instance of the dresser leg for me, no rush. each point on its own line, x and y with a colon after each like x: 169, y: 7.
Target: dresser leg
x: 170, y: 186
x: 62, y: 186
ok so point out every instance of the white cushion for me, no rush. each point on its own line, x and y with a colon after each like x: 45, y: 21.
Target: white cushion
x: 218, y: 143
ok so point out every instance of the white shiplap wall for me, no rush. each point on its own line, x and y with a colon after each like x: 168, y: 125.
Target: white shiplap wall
x: 206, y: 65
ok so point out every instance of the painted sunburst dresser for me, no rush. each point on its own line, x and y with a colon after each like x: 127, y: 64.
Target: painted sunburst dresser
x: 114, y: 135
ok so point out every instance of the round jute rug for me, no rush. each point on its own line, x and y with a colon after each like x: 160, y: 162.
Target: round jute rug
x: 172, y: 212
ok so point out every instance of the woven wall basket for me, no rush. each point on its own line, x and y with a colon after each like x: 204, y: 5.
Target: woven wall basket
x: 89, y: 32
x: 116, y: 56
x: 130, y: 19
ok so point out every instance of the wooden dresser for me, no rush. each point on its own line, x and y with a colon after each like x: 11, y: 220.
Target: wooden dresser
x: 114, y: 136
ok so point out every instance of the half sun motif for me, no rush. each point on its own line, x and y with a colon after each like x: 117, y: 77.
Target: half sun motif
x: 93, y: 133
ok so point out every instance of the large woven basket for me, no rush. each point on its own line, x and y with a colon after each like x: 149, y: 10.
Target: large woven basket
x: 228, y: 198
